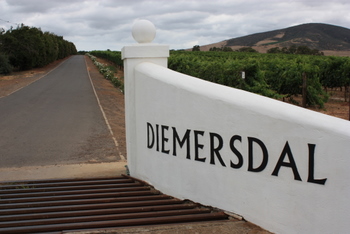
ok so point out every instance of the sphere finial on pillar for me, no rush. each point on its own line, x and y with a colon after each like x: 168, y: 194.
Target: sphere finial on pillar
x: 143, y: 31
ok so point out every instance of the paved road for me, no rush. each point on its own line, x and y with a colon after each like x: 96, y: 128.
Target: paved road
x: 55, y: 120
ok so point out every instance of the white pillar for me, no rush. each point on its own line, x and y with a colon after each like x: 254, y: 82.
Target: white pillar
x: 143, y: 32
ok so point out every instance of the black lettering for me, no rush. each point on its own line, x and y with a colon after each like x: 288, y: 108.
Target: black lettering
x: 149, y: 130
x: 287, y: 152
x: 164, y: 139
x: 215, y: 150
x: 157, y: 137
x: 263, y: 164
x: 236, y: 152
x: 311, y: 177
x: 186, y: 139
x: 198, y: 146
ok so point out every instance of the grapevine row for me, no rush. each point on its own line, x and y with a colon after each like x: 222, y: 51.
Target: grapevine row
x: 273, y: 75
x: 113, y: 56
x: 107, y: 73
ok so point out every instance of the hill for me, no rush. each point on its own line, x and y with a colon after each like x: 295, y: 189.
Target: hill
x: 330, y: 39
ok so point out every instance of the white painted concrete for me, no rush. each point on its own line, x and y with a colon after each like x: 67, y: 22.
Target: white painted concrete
x: 288, y: 194
x: 143, y: 31
x: 133, y: 55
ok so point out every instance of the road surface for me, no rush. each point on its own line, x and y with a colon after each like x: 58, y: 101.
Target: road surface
x: 55, y: 120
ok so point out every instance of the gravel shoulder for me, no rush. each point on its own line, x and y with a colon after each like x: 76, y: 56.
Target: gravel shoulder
x: 17, y: 80
x: 112, y: 102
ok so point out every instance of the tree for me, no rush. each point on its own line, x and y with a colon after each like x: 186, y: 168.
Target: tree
x: 223, y: 48
x: 292, y: 49
x: 247, y: 49
x: 284, y: 50
x: 303, y: 50
x: 295, y: 50
x: 28, y: 47
x: 196, y: 48
x: 5, y: 66
x: 275, y: 50
x: 227, y: 49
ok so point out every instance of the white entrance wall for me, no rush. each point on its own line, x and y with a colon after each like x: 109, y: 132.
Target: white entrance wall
x: 282, y: 167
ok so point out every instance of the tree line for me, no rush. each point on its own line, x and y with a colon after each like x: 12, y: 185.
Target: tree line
x: 25, y: 47
x: 293, y: 49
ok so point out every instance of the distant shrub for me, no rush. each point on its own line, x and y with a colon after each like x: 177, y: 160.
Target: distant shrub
x: 5, y: 66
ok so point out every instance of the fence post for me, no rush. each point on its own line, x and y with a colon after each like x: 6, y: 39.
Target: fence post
x: 143, y: 31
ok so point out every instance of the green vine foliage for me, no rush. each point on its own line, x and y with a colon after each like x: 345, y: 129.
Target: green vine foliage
x: 272, y: 75
x: 113, y: 56
x: 108, y: 73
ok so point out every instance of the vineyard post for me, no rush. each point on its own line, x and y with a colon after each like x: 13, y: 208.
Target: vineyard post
x: 243, y: 78
x: 304, y: 89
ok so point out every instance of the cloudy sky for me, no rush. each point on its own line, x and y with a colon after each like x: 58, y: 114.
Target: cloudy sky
x: 106, y: 24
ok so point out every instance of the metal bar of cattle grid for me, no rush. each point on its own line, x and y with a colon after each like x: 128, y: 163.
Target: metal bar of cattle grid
x: 56, y: 206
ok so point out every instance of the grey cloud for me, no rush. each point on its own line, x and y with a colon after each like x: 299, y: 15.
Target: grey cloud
x: 37, y: 6
x: 102, y: 24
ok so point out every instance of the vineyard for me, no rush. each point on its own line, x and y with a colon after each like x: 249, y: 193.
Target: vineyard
x: 279, y: 76
x: 113, y: 56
